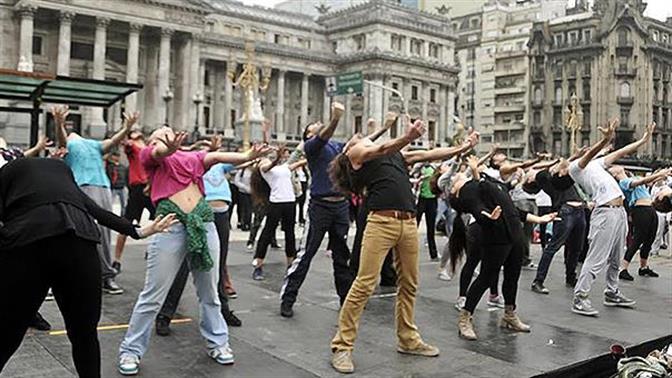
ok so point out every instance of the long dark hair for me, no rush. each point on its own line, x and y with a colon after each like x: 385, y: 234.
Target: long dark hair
x: 261, y: 191
x: 340, y: 173
x: 457, y: 244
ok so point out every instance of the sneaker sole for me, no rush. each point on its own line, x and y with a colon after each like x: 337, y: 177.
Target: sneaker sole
x: 413, y: 353
x: 624, y: 305
x: 113, y: 292
x: 585, y: 313
x: 343, y: 371
x: 129, y: 372
x: 224, y: 362
x: 541, y: 292
x: 465, y: 338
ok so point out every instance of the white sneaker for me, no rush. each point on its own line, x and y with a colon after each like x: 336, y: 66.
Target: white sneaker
x: 223, y: 355
x: 444, y: 275
x: 461, y: 301
x: 129, y: 364
x: 497, y: 301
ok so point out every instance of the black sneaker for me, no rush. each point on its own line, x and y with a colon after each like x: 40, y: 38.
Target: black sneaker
x: 258, y: 274
x: 231, y: 319
x: 111, y: 287
x: 116, y: 266
x: 571, y: 281
x: 647, y: 272
x: 163, y: 326
x: 39, y: 323
x: 276, y: 245
x: 539, y: 287
x: 624, y: 275
x: 286, y: 310
x: 617, y: 300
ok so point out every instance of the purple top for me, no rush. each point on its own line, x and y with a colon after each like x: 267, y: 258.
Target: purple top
x: 173, y: 173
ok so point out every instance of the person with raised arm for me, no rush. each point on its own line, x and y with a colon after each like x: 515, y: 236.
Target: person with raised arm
x: 85, y: 158
x: 608, y: 221
x: 177, y: 187
x: 644, y: 219
x: 381, y: 170
x: 48, y: 237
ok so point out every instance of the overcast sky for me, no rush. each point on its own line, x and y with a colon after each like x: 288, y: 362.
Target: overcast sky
x: 660, y: 9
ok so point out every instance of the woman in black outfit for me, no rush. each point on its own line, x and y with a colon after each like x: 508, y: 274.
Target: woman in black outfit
x: 495, y: 212
x: 48, y: 238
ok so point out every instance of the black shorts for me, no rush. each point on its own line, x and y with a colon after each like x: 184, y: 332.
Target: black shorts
x: 138, y: 201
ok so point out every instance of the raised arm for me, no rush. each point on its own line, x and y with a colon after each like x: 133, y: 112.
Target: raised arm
x: 337, y: 110
x: 474, y: 163
x: 168, y: 145
x: 360, y: 153
x: 487, y: 156
x: 441, y: 153
x: 212, y: 158
x: 607, y: 136
x: 296, y: 165
x: 390, y: 120
x: 630, y: 148
x: 509, y: 168
x: 40, y: 146
x: 650, y: 178
x: 60, y: 113
x: 129, y: 121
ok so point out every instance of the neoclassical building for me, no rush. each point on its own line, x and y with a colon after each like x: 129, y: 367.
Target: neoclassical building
x: 185, y: 50
x: 618, y: 63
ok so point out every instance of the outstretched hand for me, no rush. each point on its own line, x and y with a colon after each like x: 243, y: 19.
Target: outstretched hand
x: 415, y: 130
x: 259, y: 150
x: 215, y: 143
x: 609, y: 131
x: 548, y: 218
x: 495, y: 214
x: 173, y: 144
x: 337, y: 110
x: 472, y: 162
x: 60, y: 113
x: 159, y: 224
x: 43, y: 143
x: 649, y: 131
x: 130, y: 119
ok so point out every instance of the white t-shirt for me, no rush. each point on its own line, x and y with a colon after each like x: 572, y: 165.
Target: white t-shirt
x: 543, y: 199
x: 596, y: 181
x: 279, y: 178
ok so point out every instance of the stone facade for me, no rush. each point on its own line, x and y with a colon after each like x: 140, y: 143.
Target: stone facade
x: 618, y: 62
x: 494, y: 78
x: 190, y: 47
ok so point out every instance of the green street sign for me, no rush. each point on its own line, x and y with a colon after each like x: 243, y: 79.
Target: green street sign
x: 347, y: 83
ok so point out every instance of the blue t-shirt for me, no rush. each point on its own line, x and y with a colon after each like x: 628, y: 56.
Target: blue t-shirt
x: 85, y: 159
x: 215, y: 182
x: 320, y: 153
x: 633, y: 194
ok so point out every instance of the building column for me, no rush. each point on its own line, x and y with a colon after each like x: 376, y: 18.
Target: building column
x: 442, y: 124
x: 195, y: 80
x: 326, y: 107
x: 349, y: 125
x: 450, y: 127
x: 231, y: 67
x: 132, y: 56
x: 304, y: 98
x: 164, y: 72
x: 424, y: 98
x: 218, y: 111
x: 64, y: 33
x: 376, y: 100
x: 27, y: 13
x: 280, y: 106
x: 151, y: 99
x: 97, y: 123
x: 213, y: 100
x: 182, y: 101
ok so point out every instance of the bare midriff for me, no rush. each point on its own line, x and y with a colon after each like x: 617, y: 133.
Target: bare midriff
x: 644, y: 202
x: 615, y: 202
x: 187, y: 198
x: 218, y: 204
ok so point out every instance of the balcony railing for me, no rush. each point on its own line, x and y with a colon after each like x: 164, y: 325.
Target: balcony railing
x: 629, y: 72
x: 625, y: 100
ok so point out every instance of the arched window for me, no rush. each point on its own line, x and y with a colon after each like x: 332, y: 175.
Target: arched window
x: 537, y: 95
x: 623, y: 36
x: 558, y: 95
x: 625, y: 89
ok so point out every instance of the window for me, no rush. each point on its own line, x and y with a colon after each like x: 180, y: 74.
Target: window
x: 395, y: 42
x: 304, y: 43
x: 655, y: 36
x: 474, y: 22
x: 206, y: 79
x: 558, y: 69
x: 586, y: 118
x: 471, y: 54
x: 360, y: 41
x: 358, y: 124
x: 432, y: 95
x: 586, y: 90
x: 519, y: 117
x: 573, y: 38
x: 433, y: 50
x: 334, y: 46
x: 416, y: 46
x: 623, y: 37
x: 116, y: 55
x: 396, y: 87
x: 557, y: 117
x: 276, y: 38
x: 625, y: 89
x: 37, y: 45
x: 470, y: 88
x: 471, y: 73
x: 572, y: 69
x: 431, y: 128
x: 520, y: 46
x: 623, y: 64
x: 559, y: 40
x: 536, y: 118
x: 233, y: 117
x: 586, y: 67
x: 82, y: 51
x: 414, y: 92
x: 587, y: 37
x: 625, y: 116
x: 558, y: 94
x: 537, y: 95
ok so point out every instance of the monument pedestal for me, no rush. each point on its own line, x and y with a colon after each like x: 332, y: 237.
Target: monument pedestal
x: 256, y: 133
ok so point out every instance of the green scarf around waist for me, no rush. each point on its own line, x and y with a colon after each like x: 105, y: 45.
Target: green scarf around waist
x: 198, y: 252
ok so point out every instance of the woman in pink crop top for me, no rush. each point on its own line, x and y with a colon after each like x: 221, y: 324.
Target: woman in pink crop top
x: 177, y: 185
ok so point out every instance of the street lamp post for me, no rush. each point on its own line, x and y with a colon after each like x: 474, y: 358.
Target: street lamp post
x: 167, y: 97
x: 198, y: 99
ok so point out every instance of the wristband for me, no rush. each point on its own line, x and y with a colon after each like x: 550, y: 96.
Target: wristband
x: 138, y: 231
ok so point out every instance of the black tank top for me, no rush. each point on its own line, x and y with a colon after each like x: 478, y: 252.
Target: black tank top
x: 387, y: 183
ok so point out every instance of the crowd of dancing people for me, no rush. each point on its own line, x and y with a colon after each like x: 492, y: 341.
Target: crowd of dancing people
x: 56, y: 216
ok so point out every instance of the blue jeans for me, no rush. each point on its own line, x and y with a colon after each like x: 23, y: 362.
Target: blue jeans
x: 165, y: 254
x: 569, y: 231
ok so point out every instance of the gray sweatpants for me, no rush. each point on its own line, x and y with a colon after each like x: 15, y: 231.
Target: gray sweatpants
x: 606, y: 245
x: 103, y: 198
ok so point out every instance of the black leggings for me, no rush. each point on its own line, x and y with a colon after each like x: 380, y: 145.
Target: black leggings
x: 494, y: 256
x: 427, y: 206
x: 644, y: 227
x: 284, y: 213
x: 70, y: 266
x: 474, y: 255
x: 301, y: 202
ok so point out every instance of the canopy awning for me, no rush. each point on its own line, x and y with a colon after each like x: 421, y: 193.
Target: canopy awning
x: 28, y: 86
x: 37, y: 88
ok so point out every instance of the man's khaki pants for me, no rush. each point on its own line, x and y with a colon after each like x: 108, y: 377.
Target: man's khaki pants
x: 381, y: 234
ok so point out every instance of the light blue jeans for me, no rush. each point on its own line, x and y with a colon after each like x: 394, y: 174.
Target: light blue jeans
x: 165, y: 254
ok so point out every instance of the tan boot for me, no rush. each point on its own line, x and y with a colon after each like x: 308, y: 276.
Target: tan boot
x: 511, y: 321
x: 341, y: 361
x: 465, y: 326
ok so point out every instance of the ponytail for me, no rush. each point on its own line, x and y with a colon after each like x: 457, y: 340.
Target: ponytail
x: 261, y: 191
x: 457, y: 243
x: 340, y: 174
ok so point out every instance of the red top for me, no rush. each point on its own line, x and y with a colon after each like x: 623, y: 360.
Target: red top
x: 173, y: 173
x: 136, y: 172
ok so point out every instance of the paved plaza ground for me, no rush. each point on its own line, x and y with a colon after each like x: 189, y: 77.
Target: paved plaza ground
x: 268, y: 345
